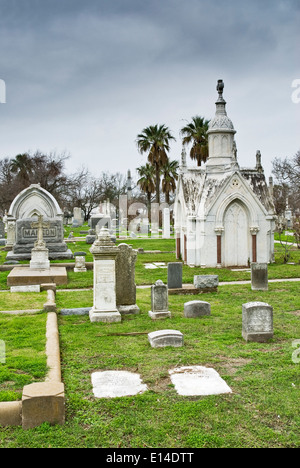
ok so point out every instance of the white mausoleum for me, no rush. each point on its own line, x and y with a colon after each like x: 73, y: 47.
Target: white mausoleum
x: 224, y: 214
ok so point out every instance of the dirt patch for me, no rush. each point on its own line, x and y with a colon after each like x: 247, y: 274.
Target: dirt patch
x: 231, y: 365
x: 295, y: 312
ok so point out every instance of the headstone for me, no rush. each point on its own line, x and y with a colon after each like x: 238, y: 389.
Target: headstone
x: 10, y: 233
x: 91, y: 237
x: 2, y: 233
x: 174, y: 275
x: 197, y: 381
x: 166, y: 223
x: 163, y: 338
x: 77, y: 217
x: 257, y: 322
x: 40, y: 253
x: 104, y: 252
x: 79, y: 262
x: 259, y: 276
x: 159, y: 301
x: 125, y: 280
x: 25, y: 209
x: 206, y: 283
x: 193, y: 309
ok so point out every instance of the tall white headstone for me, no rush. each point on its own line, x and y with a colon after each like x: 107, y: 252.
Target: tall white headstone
x: 104, y: 252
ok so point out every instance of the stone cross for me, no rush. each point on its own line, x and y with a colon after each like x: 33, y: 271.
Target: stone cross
x: 40, y: 226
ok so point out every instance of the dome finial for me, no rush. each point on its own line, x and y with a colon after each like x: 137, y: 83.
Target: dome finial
x: 220, y: 87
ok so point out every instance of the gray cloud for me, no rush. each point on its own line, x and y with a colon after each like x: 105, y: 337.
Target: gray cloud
x: 86, y: 77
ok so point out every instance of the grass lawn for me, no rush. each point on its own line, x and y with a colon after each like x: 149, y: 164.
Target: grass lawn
x: 262, y: 410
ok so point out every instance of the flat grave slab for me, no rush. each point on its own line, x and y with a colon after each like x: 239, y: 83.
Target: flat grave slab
x: 197, y: 381
x: 112, y: 384
x: 23, y: 276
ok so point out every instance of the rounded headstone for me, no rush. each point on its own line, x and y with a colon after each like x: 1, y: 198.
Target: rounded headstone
x: 196, y: 308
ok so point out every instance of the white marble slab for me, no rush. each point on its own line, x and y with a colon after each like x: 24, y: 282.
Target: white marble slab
x: 198, y: 380
x: 112, y: 384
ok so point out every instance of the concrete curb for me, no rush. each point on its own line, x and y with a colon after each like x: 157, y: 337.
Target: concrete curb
x: 44, y: 401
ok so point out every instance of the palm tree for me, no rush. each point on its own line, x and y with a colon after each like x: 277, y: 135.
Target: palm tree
x: 155, y: 141
x: 147, y: 181
x: 170, y: 176
x: 195, y: 132
x: 22, y: 167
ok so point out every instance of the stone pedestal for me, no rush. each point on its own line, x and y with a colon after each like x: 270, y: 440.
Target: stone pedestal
x: 80, y: 262
x: 39, y: 258
x: 104, y: 252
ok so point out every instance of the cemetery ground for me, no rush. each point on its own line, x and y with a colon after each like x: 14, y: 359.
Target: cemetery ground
x: 261, y: 411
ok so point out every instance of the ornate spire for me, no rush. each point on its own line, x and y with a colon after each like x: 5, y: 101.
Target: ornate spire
x: 220, y: 87
x: 221, y: 121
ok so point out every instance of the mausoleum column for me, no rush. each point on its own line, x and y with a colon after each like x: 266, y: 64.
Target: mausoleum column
x: 178, y: 247
x: 219, y: 231
x: 254, y: 230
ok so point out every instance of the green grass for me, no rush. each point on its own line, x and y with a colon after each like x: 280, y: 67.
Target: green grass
x: 25, y: 358
x: 262, y: 411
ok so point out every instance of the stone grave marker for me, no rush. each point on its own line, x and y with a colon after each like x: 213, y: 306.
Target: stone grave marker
x: 25, y: 209
x: 2, y: 233
x: 159, y: 301
x: 259, y: 276
x: 206, y: 283
x: 197, y: 381
x: 257, y: 322
x: 174, y: 275
x: 40, y: 253
x: 125, y: 280
x: 196, y: 308
x: 79, y: 262
x: 163, y: 338
x: 104, y: 252
x: 114, y: 384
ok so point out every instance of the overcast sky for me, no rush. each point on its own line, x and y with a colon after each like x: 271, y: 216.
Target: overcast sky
x: 85, y: 77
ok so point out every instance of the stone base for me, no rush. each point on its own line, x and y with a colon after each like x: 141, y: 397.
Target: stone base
x: 257, y: 337
x: 68, y: 254
x: 186, y: 289
x: 102, y: 316
x: 159, y: 315
x: 128, y: 309
x: 80, y: 270
x: 39, y: 258
x: 23, y: 276
x: 43, y: 402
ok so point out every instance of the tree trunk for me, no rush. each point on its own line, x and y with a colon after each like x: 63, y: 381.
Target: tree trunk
x: 157, y: 171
